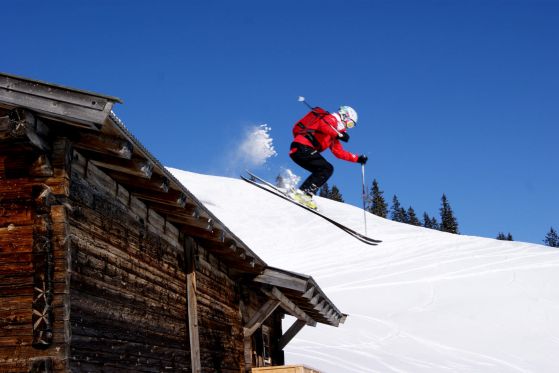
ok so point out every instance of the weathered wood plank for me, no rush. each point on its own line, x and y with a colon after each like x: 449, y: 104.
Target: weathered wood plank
x: 260, y: 316
x: 126, y: 353
x: 103, y: 144
x: 137, y: 267
x: 289, y: 306
x: 56, y: 92
x: 97, y: 272
x: 192, y: 307
x: 57, y: 103
x: 136, y: 166
x: 157, y: 182
x: 291, y: 333
x: 98, y: 316
x: 281, y: 279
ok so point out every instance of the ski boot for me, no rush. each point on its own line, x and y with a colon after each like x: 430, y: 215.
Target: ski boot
x: 303, y: 198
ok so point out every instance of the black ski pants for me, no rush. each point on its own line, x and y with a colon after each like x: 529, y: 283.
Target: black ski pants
x: 311, y: 160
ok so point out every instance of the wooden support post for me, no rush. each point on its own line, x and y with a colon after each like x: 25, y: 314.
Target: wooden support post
x: 192, y: 307
x: 291, y: 332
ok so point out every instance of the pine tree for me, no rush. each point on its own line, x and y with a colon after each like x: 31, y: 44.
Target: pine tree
x: 427, y: 221
x: 404, y: 216
x: 397, y: 212
x: 375, y: 201
x: 504, y: 237
x: 395, y: 209
x: 335, y: 194
x: 324, y: 191
x: 448, y: 221
x: 412, y: 218
x: 551, y: 238
x: 430, y: 222
x: 435, y: 224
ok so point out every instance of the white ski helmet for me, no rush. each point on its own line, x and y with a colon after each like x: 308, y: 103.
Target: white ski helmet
x: 348, y: 116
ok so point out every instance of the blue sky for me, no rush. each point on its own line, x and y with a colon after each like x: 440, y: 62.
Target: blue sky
x: 455, y: 97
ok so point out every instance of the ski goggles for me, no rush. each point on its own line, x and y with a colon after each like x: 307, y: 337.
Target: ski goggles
x: 349, y: 123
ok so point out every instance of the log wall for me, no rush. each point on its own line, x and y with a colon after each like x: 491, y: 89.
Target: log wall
x: 33, y: 331
x: 220, y: 323
x: 128, y: 292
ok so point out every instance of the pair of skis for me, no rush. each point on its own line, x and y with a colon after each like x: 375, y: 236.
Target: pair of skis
x: 271, y: 188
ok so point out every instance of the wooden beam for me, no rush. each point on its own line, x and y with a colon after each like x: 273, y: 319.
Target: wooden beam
x: 104, y: 144
x: 136, y: 166
x: 188, y: 210
x: 282, y: 279
x: 189, y: 215
x: 309, y: 293
x: 291, y: 332
x: 260, y: 316
x: 289, y: 306
x: 213, y: 235
x: 172, y: 197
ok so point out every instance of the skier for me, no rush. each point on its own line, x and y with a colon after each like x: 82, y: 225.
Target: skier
x: 314, y: 133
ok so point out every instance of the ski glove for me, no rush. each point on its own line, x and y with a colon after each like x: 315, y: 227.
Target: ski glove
x: 344, y: 137
x: 362, y: 159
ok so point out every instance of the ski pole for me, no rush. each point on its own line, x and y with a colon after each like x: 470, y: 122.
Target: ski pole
x: 302, y: 99
x: 364, y: 197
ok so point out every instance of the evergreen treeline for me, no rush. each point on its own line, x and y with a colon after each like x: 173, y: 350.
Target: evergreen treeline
x: 502, y: 237
x: 376, y: 204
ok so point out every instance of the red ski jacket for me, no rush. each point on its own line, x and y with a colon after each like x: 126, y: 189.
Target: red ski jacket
x: 327, y: 137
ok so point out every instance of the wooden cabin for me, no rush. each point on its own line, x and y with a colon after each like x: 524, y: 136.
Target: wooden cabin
x: 109, y: 264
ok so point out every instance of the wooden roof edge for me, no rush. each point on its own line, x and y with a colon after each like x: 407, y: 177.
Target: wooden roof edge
x: 51, y: 101
x: 59, y: 86
x: 307, y: 289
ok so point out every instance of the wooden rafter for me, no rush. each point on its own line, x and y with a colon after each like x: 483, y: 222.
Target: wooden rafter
x: 103, y: 144
x: 289, y: 306
x: 282, y: 279
x: 136, y: 166
x: 156, y: 183
x: 171, y: 197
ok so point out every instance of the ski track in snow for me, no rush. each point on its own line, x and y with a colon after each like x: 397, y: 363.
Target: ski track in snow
x: 421, y: 301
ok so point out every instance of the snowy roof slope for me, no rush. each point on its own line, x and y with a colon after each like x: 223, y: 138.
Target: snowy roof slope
x: 422, y: 301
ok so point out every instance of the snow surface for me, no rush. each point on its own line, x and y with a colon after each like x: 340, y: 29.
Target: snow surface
x: 422, y: 301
